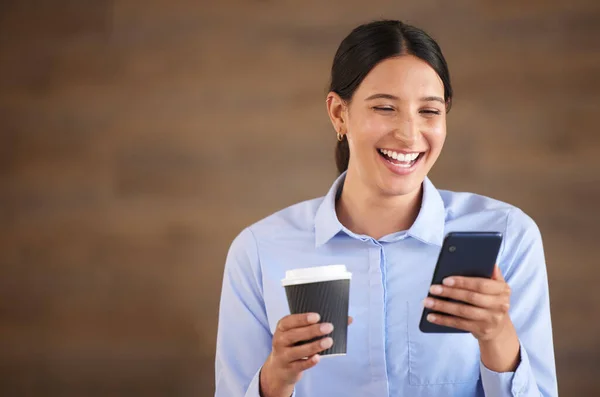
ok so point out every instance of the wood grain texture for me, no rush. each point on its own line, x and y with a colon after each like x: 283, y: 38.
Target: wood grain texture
x: 137, y: 138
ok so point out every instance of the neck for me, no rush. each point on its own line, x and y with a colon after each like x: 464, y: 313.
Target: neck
x: 374, y: 214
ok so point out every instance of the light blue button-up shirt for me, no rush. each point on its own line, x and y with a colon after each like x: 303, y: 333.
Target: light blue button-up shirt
x: 387, y: 353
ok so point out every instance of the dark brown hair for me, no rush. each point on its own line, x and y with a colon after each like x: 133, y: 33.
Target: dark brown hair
x: 371, y: 43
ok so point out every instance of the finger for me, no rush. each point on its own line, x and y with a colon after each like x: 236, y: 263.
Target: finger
x: 350, y: 320
x: 451, y: 321
x: 497, y: 275
x: 457, y: 309
x: 299, y: 352
x: 297, y: 320
x: 470, y: 297
x: 477, y: 284
x: 292, y: 336
x: 304, y: 364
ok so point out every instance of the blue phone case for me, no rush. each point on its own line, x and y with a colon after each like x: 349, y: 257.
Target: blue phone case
x: 469, y: 254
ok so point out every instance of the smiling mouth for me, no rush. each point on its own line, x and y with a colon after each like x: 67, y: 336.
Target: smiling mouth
x: 401, y: 160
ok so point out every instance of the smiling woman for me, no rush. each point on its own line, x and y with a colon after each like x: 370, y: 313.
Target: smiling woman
x: 392, y: 123
x: 385, y: 220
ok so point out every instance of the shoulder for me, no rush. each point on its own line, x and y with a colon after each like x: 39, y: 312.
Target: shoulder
x: 522, y: 237
x: 470, y: 210
x: 297, y: 218
x: 458, y: 204
x: 465, y: 204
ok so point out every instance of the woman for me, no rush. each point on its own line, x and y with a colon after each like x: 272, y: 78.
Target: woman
x: 383, y: 218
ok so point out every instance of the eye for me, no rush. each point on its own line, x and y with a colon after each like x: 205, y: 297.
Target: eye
x: 430, y: 112
x: 384, y: 108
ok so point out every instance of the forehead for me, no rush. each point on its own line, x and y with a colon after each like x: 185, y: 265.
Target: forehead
x: 405, y: 76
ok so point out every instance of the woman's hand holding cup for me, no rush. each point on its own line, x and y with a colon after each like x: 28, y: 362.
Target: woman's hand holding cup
x: 286, y: 363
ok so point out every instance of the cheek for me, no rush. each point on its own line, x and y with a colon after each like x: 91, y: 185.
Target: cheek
x: 436, y: 135
x: 371, y: 128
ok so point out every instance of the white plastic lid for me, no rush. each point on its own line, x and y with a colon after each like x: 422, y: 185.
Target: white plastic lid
x: 316, y: 274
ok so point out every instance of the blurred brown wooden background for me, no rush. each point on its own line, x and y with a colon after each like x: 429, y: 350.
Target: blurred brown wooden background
x: 137, y: 138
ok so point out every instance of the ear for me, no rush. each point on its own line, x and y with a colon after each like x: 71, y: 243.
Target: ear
x: 337, y: 110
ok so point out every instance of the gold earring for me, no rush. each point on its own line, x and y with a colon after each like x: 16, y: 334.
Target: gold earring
x: 340, y: 136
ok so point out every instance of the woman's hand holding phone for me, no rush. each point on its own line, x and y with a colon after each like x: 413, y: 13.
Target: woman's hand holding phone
x: 482, y: 309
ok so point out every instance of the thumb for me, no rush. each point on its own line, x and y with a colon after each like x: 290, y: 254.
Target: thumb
x: 497, y: 274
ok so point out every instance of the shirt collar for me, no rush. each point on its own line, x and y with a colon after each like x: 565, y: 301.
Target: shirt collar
x: 428, y: 227
x: 327, y: 223
x: 430, y: 223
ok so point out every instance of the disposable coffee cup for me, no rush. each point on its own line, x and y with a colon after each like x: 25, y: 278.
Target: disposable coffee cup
x: 324, y: 290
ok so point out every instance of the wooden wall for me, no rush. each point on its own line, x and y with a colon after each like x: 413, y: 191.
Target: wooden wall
x: 137, y: 138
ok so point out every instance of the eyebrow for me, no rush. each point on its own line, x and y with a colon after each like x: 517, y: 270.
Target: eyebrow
x: 433, y: 98
x: 395, y: 98
x: 384, y: 96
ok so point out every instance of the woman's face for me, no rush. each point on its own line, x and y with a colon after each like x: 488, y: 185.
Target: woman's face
x: 396, y: 125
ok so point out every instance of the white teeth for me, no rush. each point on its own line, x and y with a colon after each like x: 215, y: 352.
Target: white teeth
x: 405, y: 158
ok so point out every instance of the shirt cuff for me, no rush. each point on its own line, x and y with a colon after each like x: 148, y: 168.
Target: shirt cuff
x: 496, y: 384
x: 254, y: 387
x: 504, y: 384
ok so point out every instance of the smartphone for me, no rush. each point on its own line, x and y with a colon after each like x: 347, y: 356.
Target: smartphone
x: 469, y: 254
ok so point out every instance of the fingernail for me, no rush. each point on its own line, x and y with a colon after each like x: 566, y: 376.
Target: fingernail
x: 449, y: 281
x: 428, y: 302
x: 326, y: 343
x: 326, y: 328
x: 436, y: 289
x: 430, y: 318
x: 313, y: 317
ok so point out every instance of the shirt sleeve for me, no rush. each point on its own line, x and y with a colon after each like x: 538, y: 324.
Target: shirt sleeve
x: 254, y: 389
x: 524, y: 269
x: 243, y: 335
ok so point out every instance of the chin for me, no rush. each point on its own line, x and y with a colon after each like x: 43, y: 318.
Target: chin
x: 399, y: 186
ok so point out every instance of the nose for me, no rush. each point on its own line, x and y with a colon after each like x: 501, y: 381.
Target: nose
x: 407, y: 132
